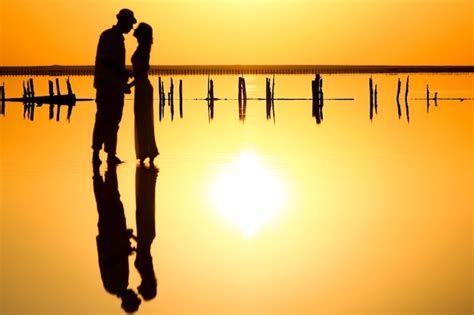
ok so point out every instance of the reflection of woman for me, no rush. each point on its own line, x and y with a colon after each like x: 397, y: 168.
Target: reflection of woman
x: 145, y: 181
x: 145, y: 145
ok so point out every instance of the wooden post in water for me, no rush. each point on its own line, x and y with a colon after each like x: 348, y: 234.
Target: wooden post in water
x: 407, y: 88
x: 375, y: 100
x: 32, y: 86
x: 28, y: 99
x: 371, y: 91
x: 25, y: 100
x: 436, y: 99
x: 3, y: 98
x: 242, y: 89
x: 32, y: 103
x: 70, y: 105
x: 169, y: 96
x: 239, y: 98
x: 406, y: 99
x: 58, y: 112
x: 242, y: 98
x: 171, y: 101
x: 69, y: 88
x: 181, y: 98
x: 240, y: 93
x: 164, y: 99
x: 57, y: 87
x: 160, y: 97
x: 321, y: 98
x: 316, y: 89
x: 171, y: 92
x: 273, y: 98
x: 268, y: 96
x: 398, y: 98
x: 210, y: 99
x: 163, y: 92
x: 51, y: 94
x: 427, y: 98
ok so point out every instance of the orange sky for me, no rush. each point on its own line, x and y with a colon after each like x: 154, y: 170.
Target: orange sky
x: 45, y: 32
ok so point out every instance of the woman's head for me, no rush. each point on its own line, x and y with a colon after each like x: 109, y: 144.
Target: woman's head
x: 144, y: 34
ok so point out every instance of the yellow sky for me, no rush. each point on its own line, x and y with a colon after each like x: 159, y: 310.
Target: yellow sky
x: 44, y: 32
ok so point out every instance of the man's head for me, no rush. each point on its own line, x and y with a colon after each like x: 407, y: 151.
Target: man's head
x: 125, y: 20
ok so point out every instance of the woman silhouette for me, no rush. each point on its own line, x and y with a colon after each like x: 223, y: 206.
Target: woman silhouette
x: 145, y: 145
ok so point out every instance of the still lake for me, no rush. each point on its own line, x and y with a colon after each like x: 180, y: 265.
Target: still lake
x: 254, y: 216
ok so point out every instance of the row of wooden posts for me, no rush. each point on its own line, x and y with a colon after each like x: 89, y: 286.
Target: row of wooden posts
x: 29, y: 99
x: 211, y: 99
x: 317, y: 98
x: 162, y: 98
x: 374, y: 103
x: 67, y: 100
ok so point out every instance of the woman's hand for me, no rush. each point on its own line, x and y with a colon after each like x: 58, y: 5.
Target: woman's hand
x: 128, y: 87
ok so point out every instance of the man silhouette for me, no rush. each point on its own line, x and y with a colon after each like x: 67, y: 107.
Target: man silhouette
x: 110, y: 81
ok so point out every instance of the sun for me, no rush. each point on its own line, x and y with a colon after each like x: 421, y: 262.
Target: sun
x: 248, y: 194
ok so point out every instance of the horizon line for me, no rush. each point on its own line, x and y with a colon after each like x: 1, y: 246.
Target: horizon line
x: 59, y: 70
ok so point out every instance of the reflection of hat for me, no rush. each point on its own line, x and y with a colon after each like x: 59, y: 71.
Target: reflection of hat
x: 126, y: 14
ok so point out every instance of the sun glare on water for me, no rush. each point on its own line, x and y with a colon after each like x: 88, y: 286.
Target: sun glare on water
x: 248, y: 194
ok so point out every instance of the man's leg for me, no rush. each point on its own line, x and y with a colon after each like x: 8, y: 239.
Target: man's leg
x: 115, y: 116
x: 98, y: 135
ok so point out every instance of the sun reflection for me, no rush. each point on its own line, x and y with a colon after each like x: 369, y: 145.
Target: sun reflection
x: 248, y: 194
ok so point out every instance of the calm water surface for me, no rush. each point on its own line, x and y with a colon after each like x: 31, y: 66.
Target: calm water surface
x: 260, y: 216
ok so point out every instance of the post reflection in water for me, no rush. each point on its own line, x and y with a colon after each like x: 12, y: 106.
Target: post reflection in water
x: 114, y: 239
x: 248, y: 194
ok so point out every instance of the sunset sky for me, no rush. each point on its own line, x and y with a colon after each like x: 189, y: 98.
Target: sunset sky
x: 354, y: 215
x: 46, y: 32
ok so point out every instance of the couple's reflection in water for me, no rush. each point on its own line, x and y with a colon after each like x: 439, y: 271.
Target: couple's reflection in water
x: 114, y: 241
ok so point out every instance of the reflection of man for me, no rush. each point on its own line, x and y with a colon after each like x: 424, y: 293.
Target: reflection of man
x: 110, y: 81
x: 113, y: 240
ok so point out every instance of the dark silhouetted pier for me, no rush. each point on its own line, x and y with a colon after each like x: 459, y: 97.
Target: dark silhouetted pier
x: 57, y: 70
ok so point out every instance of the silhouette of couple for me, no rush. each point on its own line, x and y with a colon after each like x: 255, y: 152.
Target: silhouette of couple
x: 114, y: 238
x: 111, y: 81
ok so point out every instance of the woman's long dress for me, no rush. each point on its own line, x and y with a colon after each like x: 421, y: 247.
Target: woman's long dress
x: 145, y: 145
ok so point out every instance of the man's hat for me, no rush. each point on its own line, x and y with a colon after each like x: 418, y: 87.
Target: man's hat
x: 126, y: 14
